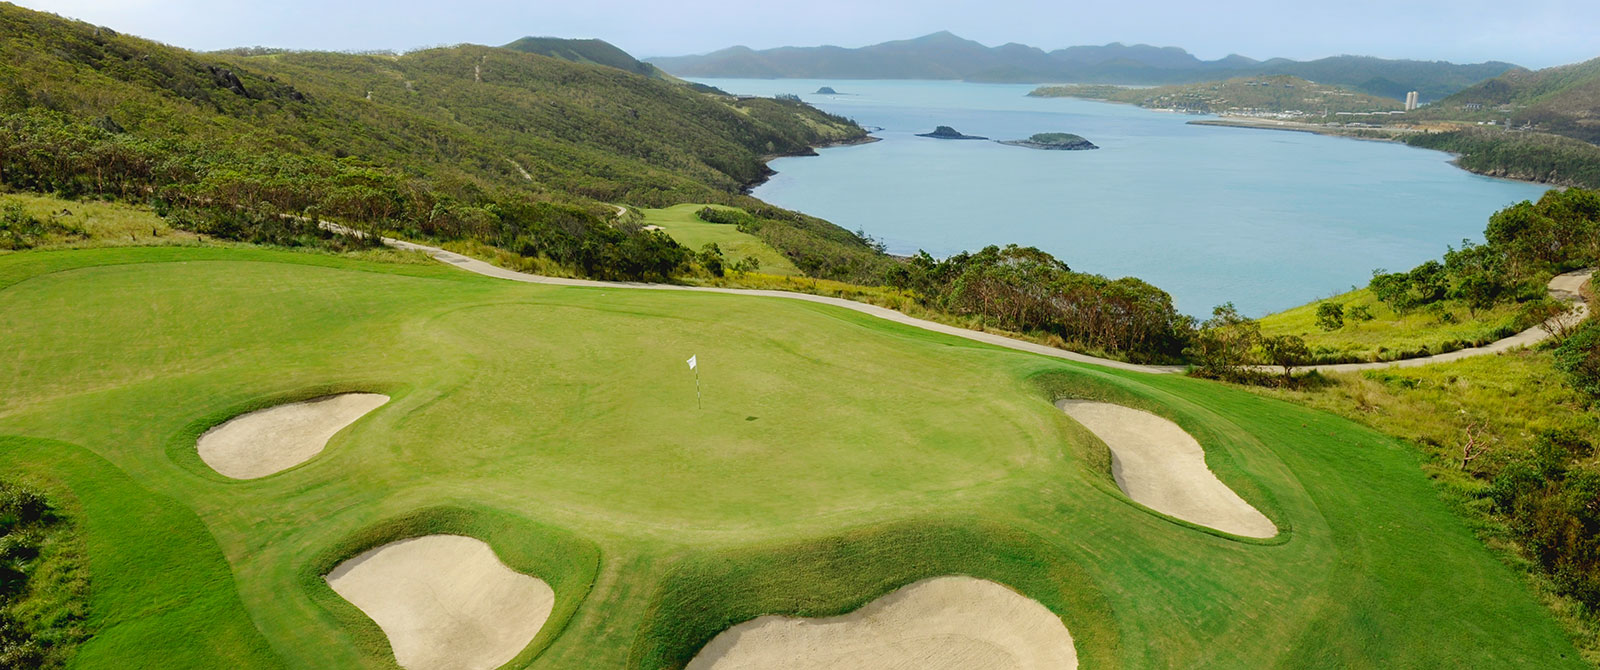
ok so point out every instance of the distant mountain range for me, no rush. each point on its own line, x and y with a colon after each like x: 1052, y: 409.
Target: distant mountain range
x: 1562, y: 100
x: 944, y: 55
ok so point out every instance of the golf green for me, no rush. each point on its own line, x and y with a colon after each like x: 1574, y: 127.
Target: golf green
x: 833, y: 458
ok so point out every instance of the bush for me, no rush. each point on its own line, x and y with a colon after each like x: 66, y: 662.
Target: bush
x: 1579, y: 358
x: 1330, y: 315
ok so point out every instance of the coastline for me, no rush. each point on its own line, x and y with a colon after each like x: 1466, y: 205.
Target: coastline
x: 766, y: 175
x: 1393, y: 135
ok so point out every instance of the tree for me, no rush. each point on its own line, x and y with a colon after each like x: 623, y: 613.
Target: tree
x: 1224, y: 342
x: 1330, y: 315
x: 1287, y: 352
x: 711, y: 259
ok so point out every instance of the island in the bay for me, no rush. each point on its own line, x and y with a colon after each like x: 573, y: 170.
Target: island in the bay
x: 1053, y: 142
x: 827, y: 90
x: 948, y: 133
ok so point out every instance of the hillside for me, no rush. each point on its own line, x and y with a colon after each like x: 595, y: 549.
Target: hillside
x: 1562, y: 100
x: 946, y: 56
x: 1278, y: 94
x: 598, y: 52
x: 514, y: 149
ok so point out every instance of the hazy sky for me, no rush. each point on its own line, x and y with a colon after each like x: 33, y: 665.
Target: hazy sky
x: 1535, y: 33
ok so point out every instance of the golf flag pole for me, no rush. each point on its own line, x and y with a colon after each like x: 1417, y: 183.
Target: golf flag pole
x: 694, y: 364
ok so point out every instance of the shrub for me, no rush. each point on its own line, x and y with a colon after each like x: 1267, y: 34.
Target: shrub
x: 1579, y: 358
x: 1330, y: 315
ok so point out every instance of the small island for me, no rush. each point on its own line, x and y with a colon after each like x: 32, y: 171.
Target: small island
x: 1053, y: 142
x: 827, y: 90
x: 948, y: 133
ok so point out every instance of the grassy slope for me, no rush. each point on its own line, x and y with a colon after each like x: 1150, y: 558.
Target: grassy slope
x: 828, y: 439
x: 684, y: 226
x: 161, y: 592
x: 465, y: 113
x: 1391, y: 336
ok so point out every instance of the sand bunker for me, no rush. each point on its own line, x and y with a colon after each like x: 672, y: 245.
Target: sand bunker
x: 278, y: 438
x: 940, y: 623
x: 446, y: 602
x: 1162, y: 467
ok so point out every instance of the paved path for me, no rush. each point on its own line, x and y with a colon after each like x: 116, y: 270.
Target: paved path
x: 1565, y: 287
x: 480, y: 267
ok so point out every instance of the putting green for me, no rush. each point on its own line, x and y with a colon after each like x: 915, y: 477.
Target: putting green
x: 836, y: 458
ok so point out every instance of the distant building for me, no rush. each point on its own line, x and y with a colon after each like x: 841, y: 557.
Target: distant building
x: 1473, y: 106
x: 1411, y: 101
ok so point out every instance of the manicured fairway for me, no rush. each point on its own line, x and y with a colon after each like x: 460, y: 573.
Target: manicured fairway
x: 687, y: 229
x: 837, y: 457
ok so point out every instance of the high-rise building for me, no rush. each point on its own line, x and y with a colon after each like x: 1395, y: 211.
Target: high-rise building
x: 1411, y: 101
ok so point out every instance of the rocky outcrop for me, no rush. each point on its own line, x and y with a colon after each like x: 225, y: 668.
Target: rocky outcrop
x: 1053, y: 142
x: 948, y: 133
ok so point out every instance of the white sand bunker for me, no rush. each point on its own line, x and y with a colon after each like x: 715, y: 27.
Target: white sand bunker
x: 446, y: 602
x: 954, y: 623
x: 278, y: 438
x: 1162, y: 467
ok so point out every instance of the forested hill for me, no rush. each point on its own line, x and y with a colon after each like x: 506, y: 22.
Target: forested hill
x: 470, y: 112
x: 1563, y: 100
x: 514, y: 149
x: 947, y: 56
x: 599, y: 52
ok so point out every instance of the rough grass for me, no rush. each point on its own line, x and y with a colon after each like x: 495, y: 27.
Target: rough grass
x: 683, y: 225
x: 102, y: 223
x: 1439, y: 328
x: 837, y: 456
x: 1513, y: 397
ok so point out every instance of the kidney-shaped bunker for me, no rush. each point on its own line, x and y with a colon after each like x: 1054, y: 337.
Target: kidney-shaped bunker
x: 943, y: 623
x: 278, y: 438
x: 445, y: 602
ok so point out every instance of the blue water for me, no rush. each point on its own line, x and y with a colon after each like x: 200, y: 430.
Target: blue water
x: 1265, y: 219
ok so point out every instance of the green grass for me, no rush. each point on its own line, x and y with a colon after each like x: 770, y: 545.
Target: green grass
x: 680, y: 222
x: 1446, y: 326
x: 837, y: 457
x: 1512, y: 398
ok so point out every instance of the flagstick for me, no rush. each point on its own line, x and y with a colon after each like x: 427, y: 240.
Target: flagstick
x: 697, y: 404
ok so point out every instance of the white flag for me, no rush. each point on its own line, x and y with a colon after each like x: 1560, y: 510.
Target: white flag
x: 692, y: 362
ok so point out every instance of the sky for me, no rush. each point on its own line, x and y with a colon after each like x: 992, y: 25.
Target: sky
x: 1533, y: 33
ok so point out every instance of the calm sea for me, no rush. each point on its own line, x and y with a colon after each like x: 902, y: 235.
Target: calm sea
x: 1265, y: 219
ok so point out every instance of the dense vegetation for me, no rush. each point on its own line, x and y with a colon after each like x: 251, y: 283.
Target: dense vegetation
x: 1525, y: 244
x: 1027, y: 290
x: 1530, y: 156
x: 42, y: 595
x: 507, y: 148
x: 1272, y: 94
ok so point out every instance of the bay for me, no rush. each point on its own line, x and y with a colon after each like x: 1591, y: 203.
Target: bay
x: 1264, y: 219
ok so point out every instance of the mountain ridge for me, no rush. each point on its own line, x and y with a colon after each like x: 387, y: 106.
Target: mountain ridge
x: 946, y: 56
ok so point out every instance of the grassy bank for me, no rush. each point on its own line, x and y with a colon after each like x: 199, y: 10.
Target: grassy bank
x: 1381, y: 334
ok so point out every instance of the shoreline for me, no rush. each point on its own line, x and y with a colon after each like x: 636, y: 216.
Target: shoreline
x: 1352, y: 134
x: 767, y: 174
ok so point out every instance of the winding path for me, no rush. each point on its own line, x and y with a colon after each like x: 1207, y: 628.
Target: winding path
x: 1564, y: 287
x: 474, y: 265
